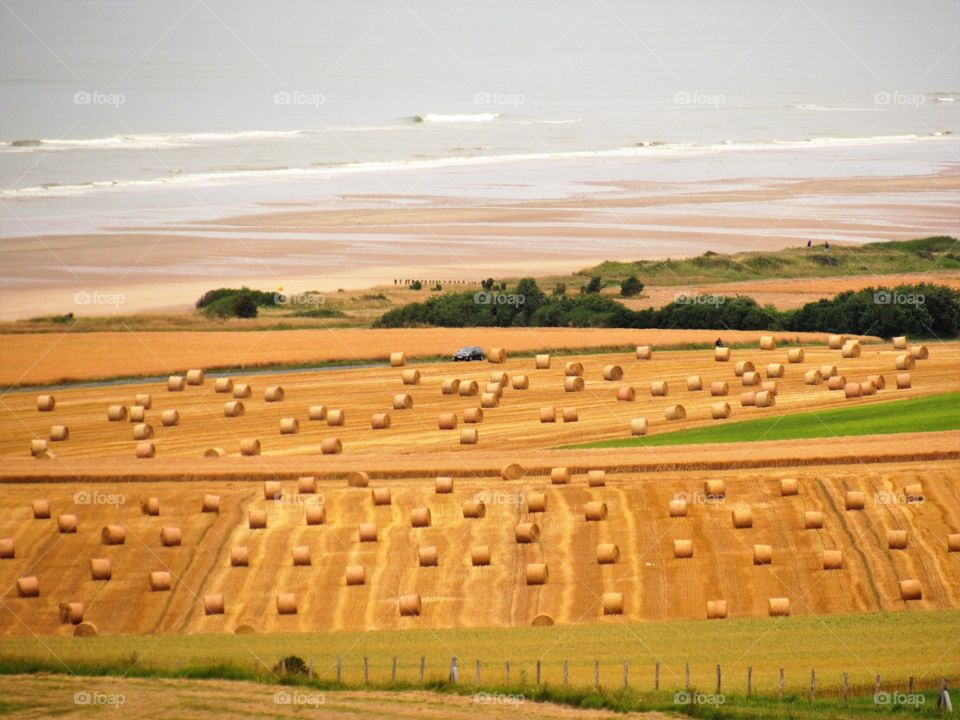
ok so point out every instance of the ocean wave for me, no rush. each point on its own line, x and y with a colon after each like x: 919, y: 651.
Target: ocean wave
x: 457, y: 118
x: 824, y: 108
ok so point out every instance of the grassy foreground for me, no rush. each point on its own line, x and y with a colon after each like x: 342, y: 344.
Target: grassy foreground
x: 926, y: 414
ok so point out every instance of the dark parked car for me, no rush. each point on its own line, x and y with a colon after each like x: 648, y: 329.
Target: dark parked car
x: 471, y: 352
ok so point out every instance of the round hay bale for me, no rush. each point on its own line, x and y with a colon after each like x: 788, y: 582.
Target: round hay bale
x: 626, y: 394
x: 170, y: 537
x: 613, y: 373
x: 289, y: 426
x: 573, y: 369
x: 896, y: 539
x: 835, y: 342
x: 612, y: 603
x: 675, y: 412
x: 411, y: 605
x: 358, y: 479
x: 67, y: 524
x: 644, y: 352
x: 919, y: 352
x: 160, y: 581
x: 143, y: 431
x: 570, y: 414
x: 789, y: 486
x: 274, y: 393
x: 678, y: 508
x: 41, y: 509
x: 137, y: 413
x: 368, y: 532
x: 795, y: 355
x: 832, y: 560
x: 765, y: 398
x: 331, y: 446
x: 444, y: 485
x: 489, y: 400
x: 223, y: 385
x: 852, y: 390
x: 301, y: 555
x: 468, y: 388
x: 473, y: 415
x: 257, y: 519
x: 748, y: 399
x: 176, y: 383
x: 573, y: 384
x: 828, y: 371
x: 560, y: 476
x: 812, y: 520
x: 742, y: 517
x: 420, y: 517
x: 608, y: 554
x: 306, y: 485
x: 905, y: 362
x: 170, y: 418
x: 900, y: 342
x: 595, y: 511
x: 778, y: 607
x: 242, y: 391
x: 763, y: 555
x: 658, y: 388
x: 7, y: 549
x: 234, y: 408
x: 537, y: 574
x: 767, y: 342
x: 447, y: 421
x: 211, y: 504
x: 239, y: 556
x: 527, y: 532
x: 497, y: 355
x: 743, y: 367
x: 213, y: 604
x: 512, y: 471
x: 694, y: 382
x: 868, y: 388
x: 721, y: 354
x: 428, y: 556
x: 837, y: 382
x: 101, y: 569
x: 716, y: 609
x: 411, y: 376
x: 715, y: 489
x: 249, y: 447
x: 71, y: 613
x: 380, y: 496
x: 402, y: 401
x: 38, y: 447
x: 272, y: 490
x: 903, y: 381
x: 397, y: 359
x: 683, y: 549
x: 450, y: 386
x: 854, y: 500
x: 493, y: 389
x: 287, y: 604
x: 542, y: 362
x: 813, y: 377
x: 913, y: 492
x: 356, y: 575
x: 719, y: 388
x: 750, y: 379
x: 150, y: 506
x: 480, y: 555
x: 116, y: 413
x: 720, y: 410
x: 638, y: 426
x: 536, y: 502
x: 520, y: 382
x: 245, y: 629
x: 469, y: 436
x: 548, y: 414
x: 775, y: 370
x: 850, y: 350
x: 113, y: 535
x: 953, y: 542
x: 316, y: 514
x: 46, y: 403
x: 542, y: 620
x: 596, y: 478
x: 59, y: 433
x: 85, y: 630
x: 194, y: 377
x: 28, y: 587
x: 910, y: 590
x: 500, y: 378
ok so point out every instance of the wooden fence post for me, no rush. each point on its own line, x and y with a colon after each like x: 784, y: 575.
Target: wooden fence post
x: 478, y: 671
x: 876, y: 690
x: 626, y: 673
x: 686, y: 685
x: 813, y: 685
x: 366, y: 670
x: 339, y: 668
x: 719, y: 677
x: 393, y: 669
x: 538, y: 672
x: 596, y: 674
x: 310, y: 673
x: 910, y: 686
x: 454, y: 670
x: 423, y: 667
x: 506, y: 672
x: 845, y: 689
x: 566, y: 672
x: 283, y: 665
x: 780, y: 689
x: 749, y: 680
x: 656, y: 678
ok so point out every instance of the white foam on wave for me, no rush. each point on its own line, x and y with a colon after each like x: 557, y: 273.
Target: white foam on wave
x: 457, y: 118
x: 825, y: 108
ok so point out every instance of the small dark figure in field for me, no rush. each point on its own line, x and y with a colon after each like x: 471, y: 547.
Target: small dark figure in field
x: 718, y: 343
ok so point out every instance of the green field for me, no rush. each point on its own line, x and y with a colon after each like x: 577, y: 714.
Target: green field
x: 926, y: 414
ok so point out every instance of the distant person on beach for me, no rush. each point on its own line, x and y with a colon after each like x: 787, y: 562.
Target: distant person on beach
x: 809, y: 243
x: 826, y: 247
